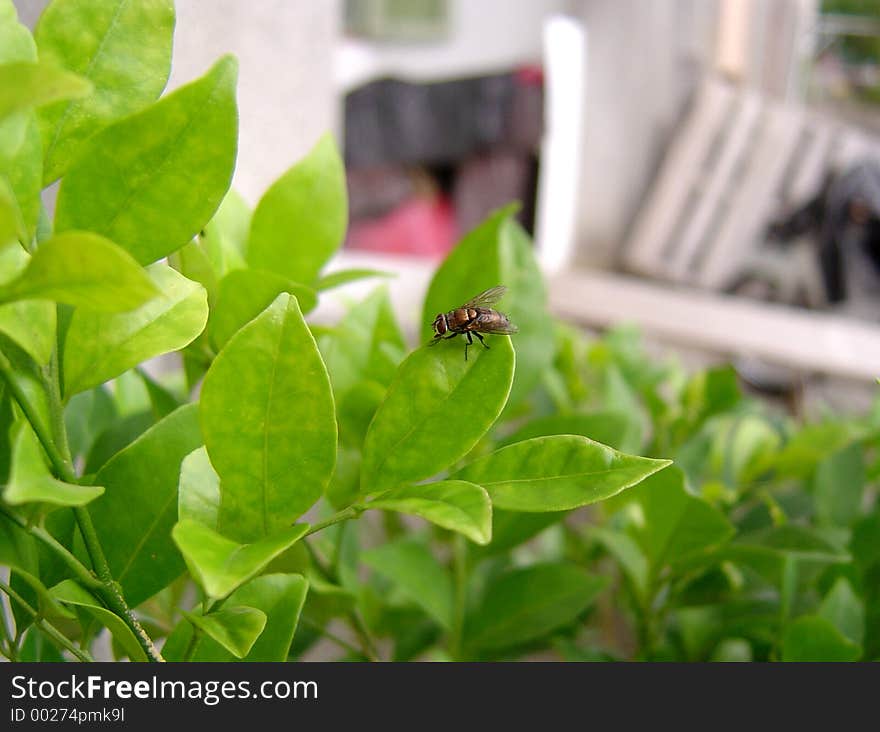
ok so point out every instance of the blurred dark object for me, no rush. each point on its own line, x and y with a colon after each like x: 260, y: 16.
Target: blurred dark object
x: 440, y: 155
x: 844, y: 218
x: 398, y: 20
x: 391, y: 121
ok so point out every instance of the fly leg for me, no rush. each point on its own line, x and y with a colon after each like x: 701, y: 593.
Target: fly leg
x: 481, y: 340
x: 470, y: 341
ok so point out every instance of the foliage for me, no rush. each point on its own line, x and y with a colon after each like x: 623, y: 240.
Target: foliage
x: 285, y: 483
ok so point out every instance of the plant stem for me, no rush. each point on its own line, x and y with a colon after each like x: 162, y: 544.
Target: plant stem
x: 193, y: 644
x: 459, y: 570
x: 110, y: 591
x: 344, y: 515
x: 83, y: 573
x: 44, y: 625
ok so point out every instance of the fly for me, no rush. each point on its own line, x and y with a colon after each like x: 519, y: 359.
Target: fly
x: 474, y: 318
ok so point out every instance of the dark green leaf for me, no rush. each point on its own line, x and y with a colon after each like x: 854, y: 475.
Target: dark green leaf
x: 135, y: 516
x: 300, y: 221
x: 413, y: 570
x: 437, y: 408
x: 556, y: 473
x: 151, y: 181
x: 71, y: 593
x: 845, y: 610
x: 812, y: 638
x: 838, y: 484
x: 123, y: 48
x: 268, y: 419
x: 453, y: 504
x: 525, y: 604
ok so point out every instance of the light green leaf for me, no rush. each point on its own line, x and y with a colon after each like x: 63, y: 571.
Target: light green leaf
x: 268, y: 419
x: 85, y: 270
x: 30, y: 480
x: 235, y: 627
x: 123, y: 48
x: 366, y: 345
x: 670, y: 524
x: 610, y: 428
x: 524, y: 604
x: 25, y: 85
x: 226, y: 234
x: 16, y: 43
x: 199, y: 489
x: 556, y: 473
x: 281, y: 598
x: 498, y: 252
x: 453, y: 504
x: 417, y: 574
x: 71, y: 593
x: 134, y: 517
x: 813, y: 638
x: 437, y: 408
x: 151, y: 181
x: 245, y: 293
x: 31, y: 324
x: 101, y: 346
x: 21, y: 170
x: 344, y: 276
x: 845, y: 610
x: 300, y: 221
x: 220, y: 565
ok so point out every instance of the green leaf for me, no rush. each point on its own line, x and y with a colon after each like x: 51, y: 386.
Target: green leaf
x: 86, y: 416
x: 235, y: 627
x: 670, y: 524
x: 151, y: 181
x: 498, y: 252
x: 807, y: 448
x: 355, y: 410
x: 134, y: 517
x: 21, y: 170
x: 199, y: 489
x: 512, y: 528
x: 101, y: 346
x: 268, y: 419
x: 525, y: 604
x: 628, y: 554
x: 25, y: 85
x: 344, y: 276
x: 31, y: 324
x: 226, y: 234
x: 556, y: 473
x: 162, y: 401
x: 813, y: 638
x: 839, y: 483
x: 300, y: 221
x: 366, y: 345
x: 453, y: 504
x: 437, y: 408
x: 220, y: 565
x: 610, y: 428
x: 30, y: 480
x: 412, y: 568
x: 123, y: 48
x: 845, y: 610
x: 82, y: 269
x: 245, y: 293
x: 281, y: 598
x: 71, y: 593
x: 16, y: 43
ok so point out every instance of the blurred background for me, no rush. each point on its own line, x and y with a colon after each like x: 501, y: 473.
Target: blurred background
x: 708, y: 170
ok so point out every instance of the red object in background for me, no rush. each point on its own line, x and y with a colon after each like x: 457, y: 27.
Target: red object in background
x: 423, y: 226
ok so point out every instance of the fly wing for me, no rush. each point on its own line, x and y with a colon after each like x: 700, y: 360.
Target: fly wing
x: 499, y: 327
x: 486, y: 298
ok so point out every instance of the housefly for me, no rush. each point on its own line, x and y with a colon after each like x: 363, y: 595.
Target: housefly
x: 474, y: 318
